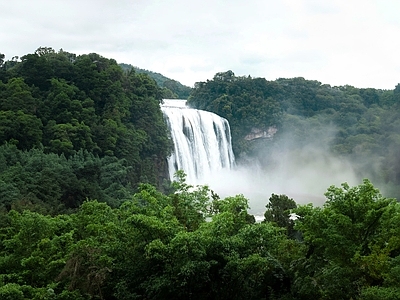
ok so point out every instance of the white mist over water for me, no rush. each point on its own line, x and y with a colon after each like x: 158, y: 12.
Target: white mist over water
x: 202, y: 149
x: 303, y: 176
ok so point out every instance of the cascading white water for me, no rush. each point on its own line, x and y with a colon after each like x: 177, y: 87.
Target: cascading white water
x: 202, y: 141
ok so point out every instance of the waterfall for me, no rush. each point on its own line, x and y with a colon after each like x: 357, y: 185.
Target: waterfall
x: 202, y: 141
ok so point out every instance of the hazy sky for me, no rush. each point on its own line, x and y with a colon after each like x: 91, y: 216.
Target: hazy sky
x: 336, y: 42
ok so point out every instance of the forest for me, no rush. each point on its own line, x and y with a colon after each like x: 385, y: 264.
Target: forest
x: 87, y: 210
x: 360, y: 125
x: 77, y: 127
x: 170, y: 88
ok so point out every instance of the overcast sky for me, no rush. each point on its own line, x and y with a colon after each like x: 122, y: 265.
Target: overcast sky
x: 337, y: 42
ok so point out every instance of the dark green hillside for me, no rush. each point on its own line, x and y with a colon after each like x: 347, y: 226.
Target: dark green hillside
x: 365, y: 122
x: 85, y: 115
x: 245, y: 102
x: 171, y: 89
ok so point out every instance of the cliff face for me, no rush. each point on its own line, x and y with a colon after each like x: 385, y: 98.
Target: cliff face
x: 257, y: 133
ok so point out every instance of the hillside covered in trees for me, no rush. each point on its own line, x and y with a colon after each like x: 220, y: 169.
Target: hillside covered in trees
x: 361, y: 125
x: 171, y: 89
x: 85, y: 214
x: 76, y: 127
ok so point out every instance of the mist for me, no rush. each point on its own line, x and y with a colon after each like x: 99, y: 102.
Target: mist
x: 299, y: 166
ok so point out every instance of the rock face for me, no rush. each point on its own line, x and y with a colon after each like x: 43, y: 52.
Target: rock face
x: 257, y: 133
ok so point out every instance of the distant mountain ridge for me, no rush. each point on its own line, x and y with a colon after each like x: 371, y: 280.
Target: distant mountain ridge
x: 171, y: 88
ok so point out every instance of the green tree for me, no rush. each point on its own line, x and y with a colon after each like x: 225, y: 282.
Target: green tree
x: 279, y: 211
x: 22, y: 129
x: 17, y: 95
x: 33, y: 250
x: 2, y: 56
x: 349, y: 241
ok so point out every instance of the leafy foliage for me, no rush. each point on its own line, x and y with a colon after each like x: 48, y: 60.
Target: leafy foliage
x: 76, y: 128
x: 359, y: 124
x: 279, y: 212
x: 245, y: 102
x: 351, y: 242
x: 68, y: 105
x: 53, y: 183
x: 146, y: 248
x: 171, y: 89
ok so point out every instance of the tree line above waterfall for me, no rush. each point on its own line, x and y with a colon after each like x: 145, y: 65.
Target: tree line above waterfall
x: 359, y: 124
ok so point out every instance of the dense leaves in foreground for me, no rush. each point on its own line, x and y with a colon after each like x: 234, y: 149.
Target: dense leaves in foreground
x: 192, y: 245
